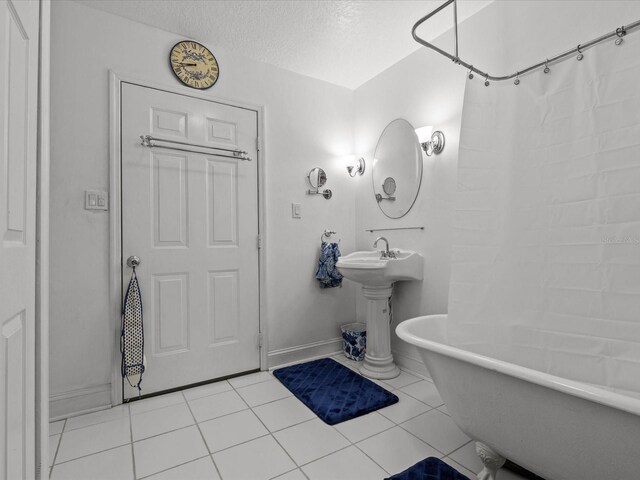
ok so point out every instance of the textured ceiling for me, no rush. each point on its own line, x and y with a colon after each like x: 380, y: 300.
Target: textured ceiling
x: 343, y: 42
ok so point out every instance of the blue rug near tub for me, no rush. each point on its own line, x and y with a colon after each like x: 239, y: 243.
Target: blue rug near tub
x: 332, y: 391
x: 429, y: 469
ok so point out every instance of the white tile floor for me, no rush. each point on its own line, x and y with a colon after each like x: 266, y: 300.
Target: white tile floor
x: 252, y: 428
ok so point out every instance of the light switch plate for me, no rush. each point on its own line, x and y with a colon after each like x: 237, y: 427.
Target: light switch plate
x: 95, y: 200
x: 296, y: 211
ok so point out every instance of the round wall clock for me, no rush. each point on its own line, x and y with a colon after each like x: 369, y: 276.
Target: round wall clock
x: 194, y: 64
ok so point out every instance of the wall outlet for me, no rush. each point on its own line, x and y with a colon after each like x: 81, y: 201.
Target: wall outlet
x: 296, y: 211
x: 95, y: 200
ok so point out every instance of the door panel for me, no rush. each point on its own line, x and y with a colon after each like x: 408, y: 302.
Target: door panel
x: 193, y: 220
x: 223, y: 307
x: 222, y: 215
x: 171, y: 293
x: 18, y: 150
x: 169, y: 190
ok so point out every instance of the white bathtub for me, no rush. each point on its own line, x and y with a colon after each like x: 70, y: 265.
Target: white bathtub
x: 558, y: 428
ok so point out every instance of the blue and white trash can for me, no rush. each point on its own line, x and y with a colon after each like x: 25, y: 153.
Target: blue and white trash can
x: 354, y: 340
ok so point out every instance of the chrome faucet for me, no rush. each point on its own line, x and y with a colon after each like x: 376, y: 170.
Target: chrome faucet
x: 384, y: 253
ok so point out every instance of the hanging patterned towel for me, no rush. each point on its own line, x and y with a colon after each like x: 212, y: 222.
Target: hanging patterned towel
x: 327, y: 273
x: 132, y: 334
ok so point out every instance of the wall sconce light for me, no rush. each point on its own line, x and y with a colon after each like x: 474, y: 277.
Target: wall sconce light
x: 355, y: 167
x: 431, y: 142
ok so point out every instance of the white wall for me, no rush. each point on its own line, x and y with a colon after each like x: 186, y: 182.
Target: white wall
x: 428, y: 89
x: 308, y: 123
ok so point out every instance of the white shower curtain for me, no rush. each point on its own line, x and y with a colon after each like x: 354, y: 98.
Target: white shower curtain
x: 546, y: 255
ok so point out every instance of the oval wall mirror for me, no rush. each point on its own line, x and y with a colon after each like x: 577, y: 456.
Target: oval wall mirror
x: 317, y: 177
x: 397, y: 168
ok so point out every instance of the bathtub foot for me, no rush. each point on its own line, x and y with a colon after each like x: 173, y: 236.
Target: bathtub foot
x: 491, y: 460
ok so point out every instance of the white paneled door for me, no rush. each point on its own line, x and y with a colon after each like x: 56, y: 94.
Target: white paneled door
x: 192, y: 218
x: 18, y: 142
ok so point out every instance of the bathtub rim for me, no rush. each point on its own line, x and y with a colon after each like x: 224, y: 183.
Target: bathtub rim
x: 571, y: 387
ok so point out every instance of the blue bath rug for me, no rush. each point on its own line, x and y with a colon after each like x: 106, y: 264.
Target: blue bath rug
x: 332, y: 391
x: 429, y: 469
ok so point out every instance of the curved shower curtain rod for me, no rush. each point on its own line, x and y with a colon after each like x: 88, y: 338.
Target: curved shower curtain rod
x: 619, y: 32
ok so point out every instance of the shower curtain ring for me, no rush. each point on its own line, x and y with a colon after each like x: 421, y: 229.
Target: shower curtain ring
x: 580, y: 55
x: 620, y: 32
x: 546, y: 66
x: 471, y: 73
x: 517, y: 80
x: 486, y: 80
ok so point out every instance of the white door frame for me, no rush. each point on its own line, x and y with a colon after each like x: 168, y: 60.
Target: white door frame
x: 42, y: 246
x: 115, y: 219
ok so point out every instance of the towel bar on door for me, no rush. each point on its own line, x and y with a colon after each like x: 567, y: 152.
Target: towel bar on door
x: 149, y: 141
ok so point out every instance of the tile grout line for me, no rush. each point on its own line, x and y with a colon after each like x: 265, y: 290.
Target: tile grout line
x: 410, y: 418
x: 255, y: 383
x: 88, y: 454
x: 328, y: 454
x: 55, y: 454
x: 270, y: 433
x: 206, y: 445
x: 241, y: 443
x: 457, y: 450
x: 284, y: 428
x: 163, y: 433
x: 59, y: 443
x: 456, y: 463
x: 96, y: 423
x: 355, y: 444
x: 377, y: 433
x: 416, y: 416
x: 174, y: 466
x: 287, y: 472
x: 371, y: 458
x: 133, y: 454
x: 155, y: 408
x: 427, y: 443
x: 422, y: 401
x: 94, y: 453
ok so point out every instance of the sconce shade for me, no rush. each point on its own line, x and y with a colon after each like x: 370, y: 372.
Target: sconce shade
x: 424, y: 133
x: 357, y: 168
x: 431, y: 142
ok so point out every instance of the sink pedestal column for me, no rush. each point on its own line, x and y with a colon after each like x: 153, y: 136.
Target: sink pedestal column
x: 378, y: 362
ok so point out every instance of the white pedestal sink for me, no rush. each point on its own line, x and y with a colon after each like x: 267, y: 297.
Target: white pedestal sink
x: 377, y: 276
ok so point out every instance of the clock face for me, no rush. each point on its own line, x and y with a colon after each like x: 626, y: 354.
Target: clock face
x: 194, y: 64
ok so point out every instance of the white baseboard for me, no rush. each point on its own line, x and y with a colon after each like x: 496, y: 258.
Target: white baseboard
x: 411, y: 365
x: 80, y: 401
x: 309, y: 351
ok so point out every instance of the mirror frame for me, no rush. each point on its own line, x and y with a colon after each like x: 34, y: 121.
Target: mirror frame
x: 321, y: 177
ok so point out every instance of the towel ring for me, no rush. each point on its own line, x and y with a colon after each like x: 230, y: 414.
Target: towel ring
x: 327, y: 233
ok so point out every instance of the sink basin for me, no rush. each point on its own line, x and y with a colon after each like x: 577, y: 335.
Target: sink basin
x: 368, y: 268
